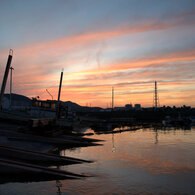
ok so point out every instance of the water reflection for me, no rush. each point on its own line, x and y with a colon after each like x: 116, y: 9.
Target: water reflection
x: 113, y: 146
x: 143, y: 161
x: 58, y: 185
x: 156, y: 135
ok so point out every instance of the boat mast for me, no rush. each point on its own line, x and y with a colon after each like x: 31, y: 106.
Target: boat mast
x: 60, y: 85
x: 59, y: 92
x: 9, y: 60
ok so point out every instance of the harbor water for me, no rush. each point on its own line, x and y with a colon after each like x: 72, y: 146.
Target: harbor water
x: 146, y: 161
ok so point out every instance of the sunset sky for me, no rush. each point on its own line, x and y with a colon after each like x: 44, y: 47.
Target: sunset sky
x: 127, y: 44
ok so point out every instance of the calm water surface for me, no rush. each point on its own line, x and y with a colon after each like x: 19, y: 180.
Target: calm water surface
x: 139, y: 162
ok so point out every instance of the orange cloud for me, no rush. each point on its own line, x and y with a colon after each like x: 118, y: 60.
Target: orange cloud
x: 93, y: 85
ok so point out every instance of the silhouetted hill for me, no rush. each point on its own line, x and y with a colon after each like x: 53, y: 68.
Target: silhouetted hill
x: 72, y: 105
x: 77, y: 108
x: 17, y: 97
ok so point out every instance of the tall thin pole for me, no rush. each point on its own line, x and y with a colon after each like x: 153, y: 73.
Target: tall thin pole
x: 156, y: 100
x: 9, y: 60
x: 58, y: 105
x: 60, y: 85
x: 112, y: 98
x: 11, y: 68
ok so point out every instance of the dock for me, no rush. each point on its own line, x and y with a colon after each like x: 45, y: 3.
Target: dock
x: 10, y: 169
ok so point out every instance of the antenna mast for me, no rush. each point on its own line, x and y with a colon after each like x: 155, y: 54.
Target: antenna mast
x: 156, y: 98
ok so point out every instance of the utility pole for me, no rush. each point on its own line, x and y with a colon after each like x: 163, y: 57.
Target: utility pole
x: 9, y: 60
x: 112, y: 98
x: 10, y: 96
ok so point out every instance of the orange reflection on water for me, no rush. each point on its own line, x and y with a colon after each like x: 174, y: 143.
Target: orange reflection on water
x: 141, y: 150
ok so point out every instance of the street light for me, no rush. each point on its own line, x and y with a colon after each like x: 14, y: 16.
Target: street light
x: 49, y: 94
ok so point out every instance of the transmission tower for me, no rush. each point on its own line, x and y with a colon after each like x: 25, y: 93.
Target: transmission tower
x: 156, y: 98
x: 112, y: 98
